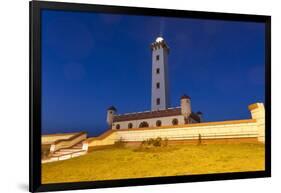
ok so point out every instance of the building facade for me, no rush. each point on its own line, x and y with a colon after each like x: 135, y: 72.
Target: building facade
x: 161, y: 113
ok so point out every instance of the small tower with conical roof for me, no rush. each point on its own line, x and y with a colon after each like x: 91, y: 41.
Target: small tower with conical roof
x: 185, y: 106
x: 110, y: 115
x: 160, y: 83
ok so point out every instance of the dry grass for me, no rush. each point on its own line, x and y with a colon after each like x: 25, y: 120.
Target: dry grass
x: 121, y: 162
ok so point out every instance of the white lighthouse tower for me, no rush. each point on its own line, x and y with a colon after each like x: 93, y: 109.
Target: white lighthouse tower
x: 160, y: 84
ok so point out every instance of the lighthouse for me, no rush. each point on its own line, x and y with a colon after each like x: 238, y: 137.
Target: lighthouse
x: 161, y: 113
x: 160, y: 80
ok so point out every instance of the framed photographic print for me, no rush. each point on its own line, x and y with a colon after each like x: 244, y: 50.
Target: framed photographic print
x: 126, y: 96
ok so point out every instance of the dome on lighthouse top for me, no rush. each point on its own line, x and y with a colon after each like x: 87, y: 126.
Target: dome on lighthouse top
x: 159, y: 39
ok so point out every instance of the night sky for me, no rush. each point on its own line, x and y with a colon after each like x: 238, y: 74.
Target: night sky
x: 91, y: 61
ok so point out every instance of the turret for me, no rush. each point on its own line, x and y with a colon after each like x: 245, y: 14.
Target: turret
x: 110, y: 115
x: 185, y: 106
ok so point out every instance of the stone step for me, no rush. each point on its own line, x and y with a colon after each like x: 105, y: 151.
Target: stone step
x: 67, y: 153
x: 69, y: 150
x: 71, y: 154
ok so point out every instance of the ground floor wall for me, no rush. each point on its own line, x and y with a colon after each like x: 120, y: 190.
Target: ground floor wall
x: 215, y: 130
x: 165, y: 121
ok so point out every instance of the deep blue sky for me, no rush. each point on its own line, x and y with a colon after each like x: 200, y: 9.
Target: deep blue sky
x: 91, y: 61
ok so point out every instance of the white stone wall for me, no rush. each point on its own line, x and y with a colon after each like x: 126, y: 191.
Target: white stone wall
x: 220, y: 131
x: 108, y: 140
x: 166, y: 121
x: 215, y: 130
x: 51, y: 138
x: 258, y: 113
x: 237, y: 129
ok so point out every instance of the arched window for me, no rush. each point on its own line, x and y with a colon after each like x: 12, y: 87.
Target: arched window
x: 158, y: 123
x: 117, y: 126
x: 175, y: 122
x: 143, y: 124
x: 130, y: 125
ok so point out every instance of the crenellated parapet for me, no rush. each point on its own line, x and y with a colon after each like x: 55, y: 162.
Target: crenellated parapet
x: 159, y: 44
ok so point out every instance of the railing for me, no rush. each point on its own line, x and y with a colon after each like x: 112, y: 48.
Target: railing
x: 51, y: 138
x: 66, y: 143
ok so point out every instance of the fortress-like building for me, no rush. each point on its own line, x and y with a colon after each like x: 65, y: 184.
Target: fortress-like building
x: 161, y: 113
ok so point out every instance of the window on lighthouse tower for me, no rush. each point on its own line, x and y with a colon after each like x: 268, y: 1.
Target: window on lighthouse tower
x: 158, y: 85
x: 157, y: 70
x: 158, y: 101
x: 157, y: 57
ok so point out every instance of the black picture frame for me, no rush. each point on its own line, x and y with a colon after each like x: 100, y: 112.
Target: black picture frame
x: 35, y: 95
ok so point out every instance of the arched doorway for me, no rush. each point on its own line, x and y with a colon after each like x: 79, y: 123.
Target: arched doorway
x: 143, y: 124
x: 158, y: 123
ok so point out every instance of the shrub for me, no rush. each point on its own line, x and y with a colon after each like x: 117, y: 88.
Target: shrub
x: 154, y: 142
x: 157, y: 142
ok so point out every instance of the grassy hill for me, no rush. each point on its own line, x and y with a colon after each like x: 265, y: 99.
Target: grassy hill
x: 124, y: 162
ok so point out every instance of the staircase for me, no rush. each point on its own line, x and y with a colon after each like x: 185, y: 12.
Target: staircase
x: 68, y: 153
x: 64, y: 151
